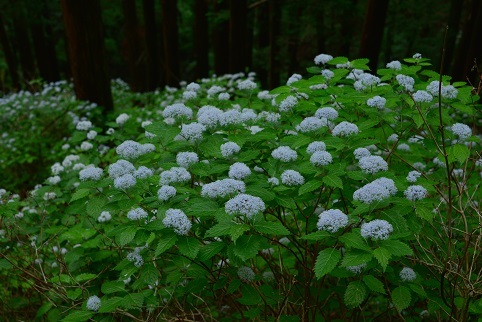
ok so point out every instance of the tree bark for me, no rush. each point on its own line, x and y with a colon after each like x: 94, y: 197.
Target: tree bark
x: 152, y: 45
x: 238, y: 12
x: 23, y: 45
x: 171, y: 46
x: 9, y: 56
x: 201, y: 36
x: 134, y: 47
x: 274, y: 32
x: 220, y: 36
x: 262, y: 42
x: 86, y: 51
x: 372, y: 35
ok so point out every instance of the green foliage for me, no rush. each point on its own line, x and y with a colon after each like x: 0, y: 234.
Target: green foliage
x: 292, y: 230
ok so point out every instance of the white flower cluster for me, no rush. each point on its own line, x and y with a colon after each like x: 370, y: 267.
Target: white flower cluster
x: 377, y: 101
x: 194, y: 87
x: 395, y: 65
x: 407, y: 274
x: 53, y: 180
x: 91, y: 173
x: 361, y: 153
x: 224, y: 96
x: 136, y: 214
x: 228, y: 149
x: 166, y: 192
x: 264, y: 95
x: 56, y: 168
x: 120, y: 168
x: 244, y: 204
x: 415, y: 192
x: 345, y: 129
x: 104, y: 216
x: 315, y: 147
x: 192, y: 132
x: 422, y: 96
x: 135, y: 257
x: 269, y: 117
x: 246, y: 274
x: 50, y: 196
x: 413, y: 176
x: 357, y: 269
x: 186, y: 159
x: 327, y: 74
x: 93, y: 303
x: 230, y: 117
x: 284, y: 154
x: 213, y: 90
x: 372, y: 164
x: 239, y: 171
x: 288, y: 103
x: 448, y: 91
x: 377, y: 229
x: 463, y: 131
x: 332, y: 220
x: 86, y: 146
x: 247, y: 85
x: 294, y: 78
x: 143, y: 172
x: 209, y: 116
x: 177, y: 110
x: 322, y: 59
x: 326, y: 112
x: 321, y: 158
x: 84, y: 125
x: 273, y: 181
x: 406, y: 81
x: 131, y: 150
x: 91, y: 135
x: 292, y: 178
x: 376, y: 190
x: 222, y: 188
x: 310, y: 124
x: 318, y: 86
x: 121, y: 119
x: 176, y: 175
x: 189, y: 95
x: 366, y: 81
x: 177, y: 219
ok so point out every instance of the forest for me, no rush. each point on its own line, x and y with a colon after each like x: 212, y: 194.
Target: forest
x: 240, y: 160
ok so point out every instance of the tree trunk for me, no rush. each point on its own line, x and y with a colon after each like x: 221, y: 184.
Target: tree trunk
x: 274, y: 32
x: 9, y: 56
x: 201, y: 36
x: 238, y: 13
x: 262, y: 42
x: 86, y: 51
x: 171, y: 46
x: 453, y: 29
x: 152, y: 45
x: 220, y: 34
x: 134, y: 47
x: 372, y: 35
x: 23, y: 45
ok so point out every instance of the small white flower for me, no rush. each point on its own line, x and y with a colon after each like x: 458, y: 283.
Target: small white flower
x: 406, y: 81
x: 463, y: 131
x: 91, y: 135
x: 120, y: 168
x: 93, y: 303
x: 361, y: 153
x: 321, y: 158
x: 417, y: 56
x: 326, y: 112
x: 332, y: 220
x: 357, y: 269
x: 311, y: 123
x: 177, y: 110
x: 315, y: 146
x: 396, y: 65
x: 413, y: 176
x: 143, y: 172
x: 176, y: 175
x: 327, y: 74
x: 377, y: 229
x: 189, y: 95
x: 209, y: 116
x: 393, y: 138
x: 177, y: 219
x: 121, y: 119
x: 192, y: 132
x: 244, y: 204
x: 284, y: 154
x: 288, y: 103
x: 86, y: 146
x: 372, y: 164
x: 345, y: 129
x: 322, y: 59
x: 407, y: 274
x: 239, y: 171
x: 104, y: 216
x: 376, y: 190
x: 91, y: 173
x: 125, y: 181
x: 422, y: 96
x: 415, y: 192
x: 403, y: 147
x: 136, y: 214
x: 186, y: 159
x: 247, y: 85
x: 50, y: 196
x: 228, y: 149
x: 377, y: 101
x: 246, y: 274
x: 166, y: 192
x: 292, y: 178
x: 193, y: 87
x: 224, y: 96
x: 273, y: 181
x: 223, y: 188
x: 294, y: 78
x: 84, y: 125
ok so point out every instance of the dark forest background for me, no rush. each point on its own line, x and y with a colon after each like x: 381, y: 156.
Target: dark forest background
x: 153, y: 43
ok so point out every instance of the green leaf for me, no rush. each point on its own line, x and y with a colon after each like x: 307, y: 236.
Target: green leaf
x: 355, y: 257
x: 338, y: 60
x: 149, y: 274
x: 166, y: 241
x: 360, y: 63
x: 110, y: 305
x: 355, y: 240
x: 219, y: 229
x: 355, y: 294
x: 79, y: 194
x: 317, y: 235
x: 382, y: 255
x: 418, y: 289
x: 326, y: 261
x: 333, y: 181
x: 95, y: 206
x: 250, y: 296
x: 233, y: 286
x: 424, y: 213
x: 165, y: 133
x: 271, y: 228
x: 401, y: 297
x: 188, y: 246
x: 262, y: 193
x: 202, y: 208
x: 313, y: 70
x: 237, y: 230
x: 310, y: 186
x: 209, y: 250
x: 4, y: 264
x: 78, y: 316
x: 127, y: 235
x: 113, y: 287
x: 247, y: 246
x: 374, y: 284
x: 84, y: 277
x: 74, y: 294
x: 397, y: 248
x: 459, y: 152
x: 133, y: 300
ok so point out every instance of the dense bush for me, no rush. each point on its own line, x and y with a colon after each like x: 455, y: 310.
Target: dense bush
x: 342, y: 196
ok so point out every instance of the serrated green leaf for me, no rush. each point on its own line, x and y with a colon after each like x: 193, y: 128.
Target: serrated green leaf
x: 424, y: 213
x: 166, y: 241
x: 110, y: 305
x: 418, y: 289
x: 333, y: 181
x: 4, y: 264
x: 401, y: 297
x: 84, y: 277
x: 326, y: 261
x: 247, y: 246
x: 79, y: 194
x: 355, y: 240
x: 355, y: 294
x: 383, y: 256
x: 271, y: 228
x: 202, y: 208
x: 188, y: 246
x: 127, y: 235
x: 280, y: 90
x: 95, y: 206
x: 313, y: 70
x: 354, y: 257
x: 44, y: 309
x: 262, y: 193
x: 374, y: 284
x: 133, y: 300
x: 310, y: 186
x: 459, y: 152
x: 78, y: 316
x: 220, y: 229
x: 237, y: 230
x: 209, y: 250
x: 250, y: 296
x: 113, y: 287
x: 338, y: 60
x: 397, y: 248
x: 149, y: 274
x: 74, y: 294
x: 317, y: 235
x: 233, y: 286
